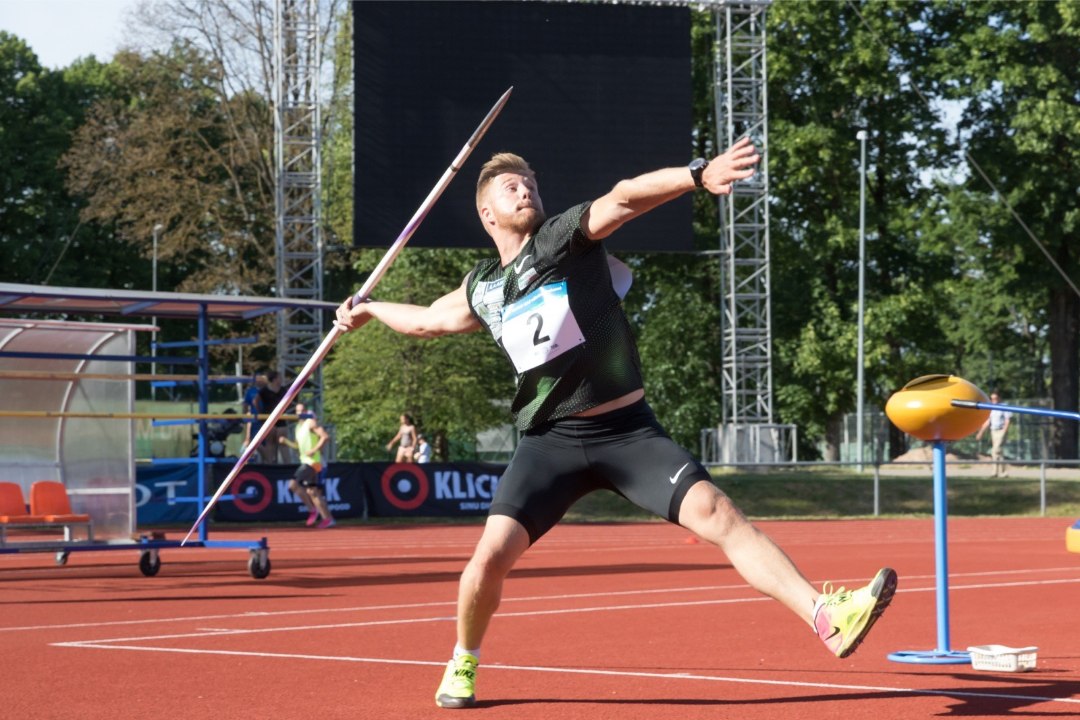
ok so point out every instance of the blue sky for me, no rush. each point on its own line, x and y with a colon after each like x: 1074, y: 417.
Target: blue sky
x: 59, y: 31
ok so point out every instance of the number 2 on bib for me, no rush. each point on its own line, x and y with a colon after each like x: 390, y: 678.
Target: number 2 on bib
x: 540, y: 327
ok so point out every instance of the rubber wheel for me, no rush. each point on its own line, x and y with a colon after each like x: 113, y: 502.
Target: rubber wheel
x: 258, y: 570
x: 149, y: 565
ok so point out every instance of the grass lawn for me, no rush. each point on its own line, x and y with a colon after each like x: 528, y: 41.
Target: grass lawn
x: 810, y: 493
x: 806, y: 493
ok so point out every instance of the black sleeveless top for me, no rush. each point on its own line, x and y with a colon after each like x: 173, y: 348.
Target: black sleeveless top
x: 556, y: 315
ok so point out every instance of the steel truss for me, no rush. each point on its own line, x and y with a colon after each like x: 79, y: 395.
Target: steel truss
x: 298, y: 176
x: 747, y: 432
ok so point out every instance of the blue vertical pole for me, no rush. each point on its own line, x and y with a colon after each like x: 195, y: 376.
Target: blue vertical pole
x: 943, y: 655
x: 204, y: 380
x: 941, y: 547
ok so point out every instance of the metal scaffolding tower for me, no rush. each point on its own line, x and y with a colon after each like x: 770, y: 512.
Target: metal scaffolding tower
x: 298, y: 237
x: 747, y: 432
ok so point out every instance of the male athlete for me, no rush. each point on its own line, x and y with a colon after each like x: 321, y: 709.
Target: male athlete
x: 305, y: 484
x: 550, y: 302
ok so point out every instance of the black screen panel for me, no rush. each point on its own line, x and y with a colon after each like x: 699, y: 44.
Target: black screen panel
x: 601, y: 92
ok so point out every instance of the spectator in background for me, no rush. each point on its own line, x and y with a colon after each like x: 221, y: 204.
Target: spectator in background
x: 406, y: 434
x: 423, y: 450
x: 272, y: 448
x: 250, y: 409
x: 307, y: 483
x: 998, y: 422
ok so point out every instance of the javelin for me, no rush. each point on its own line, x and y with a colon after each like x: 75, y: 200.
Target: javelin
x: 374, y: 278
x: 972, y: 404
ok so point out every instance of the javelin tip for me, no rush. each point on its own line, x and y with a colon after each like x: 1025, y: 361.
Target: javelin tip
x: 479, y: 132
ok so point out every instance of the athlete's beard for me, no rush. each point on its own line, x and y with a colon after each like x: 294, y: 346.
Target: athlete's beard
x: 526, y: 221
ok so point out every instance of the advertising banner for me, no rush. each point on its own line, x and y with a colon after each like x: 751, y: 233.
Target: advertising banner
x: 431, y: 489
x: 261, y: 493
x: 157, y: 488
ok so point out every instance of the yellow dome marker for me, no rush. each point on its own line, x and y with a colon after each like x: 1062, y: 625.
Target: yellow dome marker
x: 923, y: 408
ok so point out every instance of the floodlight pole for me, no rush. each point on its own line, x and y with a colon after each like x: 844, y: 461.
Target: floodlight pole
x: 861, y: 136
x: 153, y: 320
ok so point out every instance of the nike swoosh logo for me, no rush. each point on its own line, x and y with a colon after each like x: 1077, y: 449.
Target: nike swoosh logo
x: 675, y: 477
x: 521, y: 263
x: 835, y: 632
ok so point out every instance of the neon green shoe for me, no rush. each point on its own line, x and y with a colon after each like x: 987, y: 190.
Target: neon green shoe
x: 842, y: 618
x: 458, y: 687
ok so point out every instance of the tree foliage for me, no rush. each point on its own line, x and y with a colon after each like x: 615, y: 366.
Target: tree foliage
x: 453, y: 386
x: 1015, y: 66
x: 972, y: 260
x: 41, y: 237
x: 833, y: 71
x: 160, y: 152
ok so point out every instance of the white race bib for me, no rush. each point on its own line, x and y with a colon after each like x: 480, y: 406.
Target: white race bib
x: 540, y: 327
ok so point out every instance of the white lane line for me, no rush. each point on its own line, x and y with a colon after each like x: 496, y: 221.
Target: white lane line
x: 371, y: 608
x: 544, y: 598
x: 615, y: 673
x: 524, y: 613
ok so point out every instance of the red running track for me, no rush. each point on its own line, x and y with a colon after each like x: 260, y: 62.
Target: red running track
x: 598, y: 621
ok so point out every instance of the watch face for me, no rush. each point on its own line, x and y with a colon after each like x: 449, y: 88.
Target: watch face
x: 697, y: 167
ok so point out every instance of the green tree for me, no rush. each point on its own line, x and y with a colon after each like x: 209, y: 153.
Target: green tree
x: 834, y: 69
x: 41, y: 237
x: 161, y: 149
x: 337, y: 201
x: 1015, y: 66
x: 453, y: 386
x: 161, y: 153
x: 235, y: 38
x: 673, y: 306
x: 997, y: 332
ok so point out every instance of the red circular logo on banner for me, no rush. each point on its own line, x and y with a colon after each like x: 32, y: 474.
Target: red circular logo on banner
x: 246, y: 503
x: 406, y: 487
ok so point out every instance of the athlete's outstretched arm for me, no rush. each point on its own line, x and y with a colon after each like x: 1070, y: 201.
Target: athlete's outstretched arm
x: 636, y: 196
x: 449, y: 314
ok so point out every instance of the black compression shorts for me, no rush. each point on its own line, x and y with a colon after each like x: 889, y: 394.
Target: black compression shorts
x: 307, y: 476
x: 625, y: 451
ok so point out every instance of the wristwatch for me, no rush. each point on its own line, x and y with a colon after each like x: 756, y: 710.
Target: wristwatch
x: 697, y: 167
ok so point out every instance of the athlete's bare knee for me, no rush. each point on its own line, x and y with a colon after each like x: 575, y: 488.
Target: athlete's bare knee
x: 493, y: 559
x: 710, y: 513
x: 486, y: 565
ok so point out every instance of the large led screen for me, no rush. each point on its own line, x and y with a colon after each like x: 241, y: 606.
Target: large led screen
x: 601, y: 92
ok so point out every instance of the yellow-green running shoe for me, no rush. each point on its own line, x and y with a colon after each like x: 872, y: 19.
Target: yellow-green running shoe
x: 842, y: 618
x: 458, y: 686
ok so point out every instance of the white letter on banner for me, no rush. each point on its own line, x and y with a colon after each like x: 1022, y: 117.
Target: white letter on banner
x: 483, y: 482
x: 170, y: 489
x: 459, y: 492
x: 142, y: 495
x: 284, y: 494
x: 442, y: 484
x: 330, y: 489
